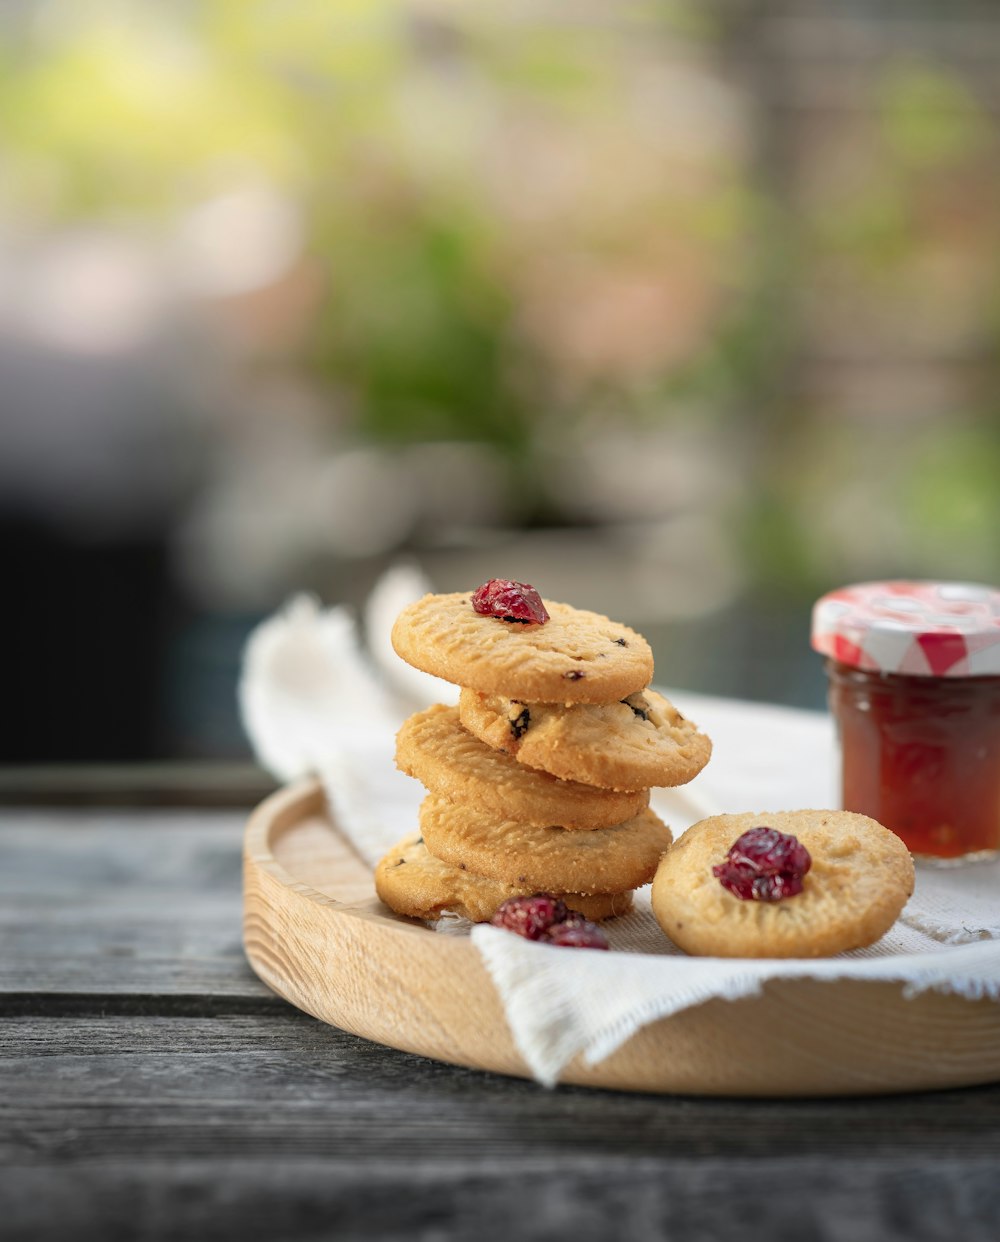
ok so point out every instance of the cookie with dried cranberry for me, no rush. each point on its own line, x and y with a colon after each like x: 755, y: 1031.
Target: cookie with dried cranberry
x: 552, y: 858
x: 450, y: 762
x: 639, y: 742
x: 413, y: 882
x: 782, y: 884
x: 572, y: 656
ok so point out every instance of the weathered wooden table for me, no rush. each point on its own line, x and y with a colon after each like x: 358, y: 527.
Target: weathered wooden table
x: 152, y: 1088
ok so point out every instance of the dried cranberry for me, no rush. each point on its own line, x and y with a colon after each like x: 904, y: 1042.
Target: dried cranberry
x: 764, y: 865
x: 639, y: 705
x: 576, y: 932
x: 530, y: 917
x: 510, y: 601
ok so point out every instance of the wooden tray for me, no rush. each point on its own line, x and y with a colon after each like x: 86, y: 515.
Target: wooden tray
x: 315, y: 932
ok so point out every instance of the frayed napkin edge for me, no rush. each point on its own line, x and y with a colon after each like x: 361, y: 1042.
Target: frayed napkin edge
x: 524, y: 991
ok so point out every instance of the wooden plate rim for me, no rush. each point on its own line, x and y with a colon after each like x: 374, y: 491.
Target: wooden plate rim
x: 623, y: 1069
x: 278, y: 813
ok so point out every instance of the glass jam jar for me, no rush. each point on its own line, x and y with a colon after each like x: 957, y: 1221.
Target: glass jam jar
x: 914, y: 689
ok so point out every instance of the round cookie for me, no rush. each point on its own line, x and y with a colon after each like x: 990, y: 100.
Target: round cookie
x: 642, y: 741
x: 606, y: 860
x: 413, y: 882
x: 449, y: 761
x: 859, y: 881
x: 574, y: 657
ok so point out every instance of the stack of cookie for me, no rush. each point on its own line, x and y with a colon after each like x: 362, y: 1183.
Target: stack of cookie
x: 539, y: 780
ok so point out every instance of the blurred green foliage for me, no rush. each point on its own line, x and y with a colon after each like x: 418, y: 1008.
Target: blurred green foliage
x: 523, y: 222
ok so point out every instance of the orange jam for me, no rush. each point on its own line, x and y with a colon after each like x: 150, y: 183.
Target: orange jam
x: 922, y: 756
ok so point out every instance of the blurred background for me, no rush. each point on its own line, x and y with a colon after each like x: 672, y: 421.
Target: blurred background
x: 683, y: 311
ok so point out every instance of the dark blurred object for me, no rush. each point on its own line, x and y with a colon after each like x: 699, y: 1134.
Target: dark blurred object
x: 95, y: 465
x: 86, y: 636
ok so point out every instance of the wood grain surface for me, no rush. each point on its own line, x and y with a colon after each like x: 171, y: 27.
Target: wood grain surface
x: 151, y: 1088
x: 316, y: 933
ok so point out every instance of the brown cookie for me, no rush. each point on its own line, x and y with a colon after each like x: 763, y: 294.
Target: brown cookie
x: 549, y: 859
x: 412, y: 882
x: 574, y: 657
x: 642, y: 741
x: 859, y: 881
x: 449, y: 761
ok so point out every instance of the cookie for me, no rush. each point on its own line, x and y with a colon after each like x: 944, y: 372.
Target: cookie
x: 549, y: 859
x: 411, y: 881
x: 574, y: 657
x: 859, y: 881
x: 642, y: 741
x: 449, y: 761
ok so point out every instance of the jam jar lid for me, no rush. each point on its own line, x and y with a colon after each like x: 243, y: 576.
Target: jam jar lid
x: 920, y: 629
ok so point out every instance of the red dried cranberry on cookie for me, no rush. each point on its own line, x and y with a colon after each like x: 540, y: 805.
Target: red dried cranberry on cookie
x: 510, y: 601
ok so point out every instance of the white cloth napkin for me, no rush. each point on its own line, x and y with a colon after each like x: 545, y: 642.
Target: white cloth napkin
x: 313, y: 701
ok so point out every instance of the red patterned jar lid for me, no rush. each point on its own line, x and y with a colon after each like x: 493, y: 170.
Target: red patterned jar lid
x: 922, y: 629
